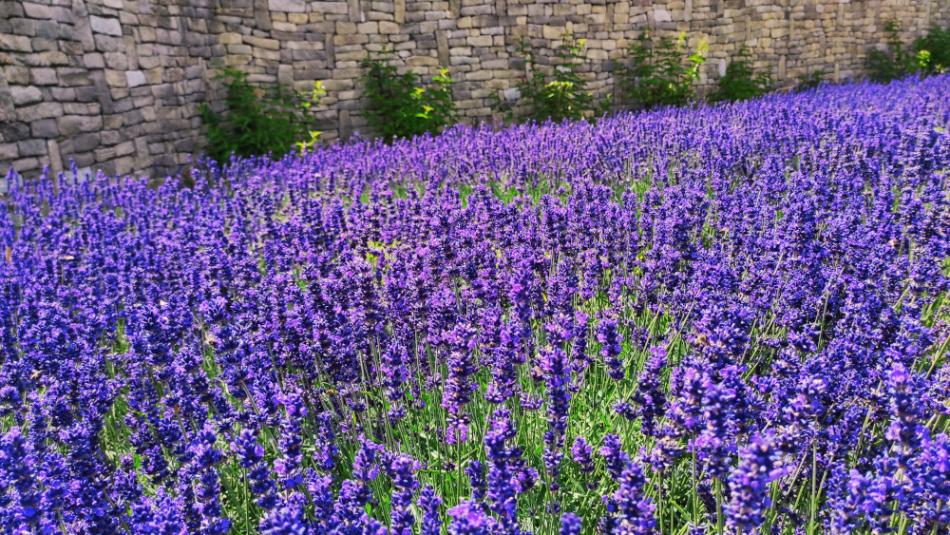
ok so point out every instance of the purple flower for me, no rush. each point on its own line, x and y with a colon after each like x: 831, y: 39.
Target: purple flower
x: 760, y: 463
x: 629, y: 511
x: 557, y: 378
x: 429, y: 503
x: 251, y: 457
x: 615, y: 458
x: 457, y: 391
x: 582, y: 454
x: 476, y: 476
x: 507, y: 474
x: 611, y: 345
x: 570, y: 524
x: 286, y: 520
x: 402, y: 473
x: 468, y: 518
x: 649, y: 399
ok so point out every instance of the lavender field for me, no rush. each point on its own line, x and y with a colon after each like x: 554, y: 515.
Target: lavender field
x: 726, y: 319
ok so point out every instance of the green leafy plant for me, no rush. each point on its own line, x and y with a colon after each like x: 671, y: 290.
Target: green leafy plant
x: 258, y: 121
x: 927, y: 55
x: 741, y: 81
x: 810, y: 80
x: 661, y: 73
x: 932, y: 51
x: 892, y: 63
x: 398, y: 106
x: 562, y: 94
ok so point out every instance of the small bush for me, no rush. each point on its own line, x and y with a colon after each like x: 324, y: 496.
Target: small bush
x: 810, y: 80
x: 892, y: 63
x: 927, y: 55
x: 741, y: 81
x: 398, y: 106
x: 259, y: 121
x: 563, y: 95
x: 660, y: 74
x: 932, y: 51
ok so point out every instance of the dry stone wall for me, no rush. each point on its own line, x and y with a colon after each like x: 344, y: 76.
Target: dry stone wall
x: 116, y: 84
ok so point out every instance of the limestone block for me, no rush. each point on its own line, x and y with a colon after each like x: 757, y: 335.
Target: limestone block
x: 107, y: 26
x: 261, y: 42
x: 15, y: 43
x: 25, y: 94
x: 43, y: 110
x: 230, y: 38
x: 387, y: 28
x: 44, y: 128
x: 32, y: 147
x: 288, y: 6
x: 8, y: 151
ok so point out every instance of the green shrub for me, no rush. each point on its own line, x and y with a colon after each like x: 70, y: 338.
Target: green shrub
x: 660, y: 74
x: 927, y: 55
x: 741, y: 81
x: 398, y: 106
x: 892, y: 63
x: 810, y: 80
x: 259, y: 121
x: 563, y: 94
x: 932, y: 51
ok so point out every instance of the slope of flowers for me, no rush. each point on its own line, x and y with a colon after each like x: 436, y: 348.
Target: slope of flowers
x: 725, y: 319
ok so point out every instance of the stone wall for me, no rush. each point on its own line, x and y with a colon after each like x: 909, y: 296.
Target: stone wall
x: 116, y: 84
x: 109, y: 84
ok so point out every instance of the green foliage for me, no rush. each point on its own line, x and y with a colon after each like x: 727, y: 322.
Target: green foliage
x: 260, y: 121
x: 740, y: 81
x: 932, y: 51
x: 810, y: 80
x: 927, y: 55
x: 563, y: 95
x: 398, y: 106
x: 660, y: 74
x: 892, y: 63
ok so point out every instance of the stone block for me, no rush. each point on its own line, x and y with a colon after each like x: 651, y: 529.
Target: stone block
x: 72, y: 125
x: 288, y: 6
x: 261, y: 42
x: 15, y: 43
x: 107, y: 26
x: 366, y: 28
x: 55, y: 156
x: 74, y: 76
x: 8, y: 151
x: 345, y: 40
x: 24, y: 165
x: 93, y: 60
x: 388, y: 28
x: 25, y: 94
x: 230, y: 38
x: 480, y: 40
x: 552, y: 33
x: 117, y: 60
x: 43, y: 110
x: 85, y: 142
x: 135, y: 78
x: 115, y: 78
x: 51, y: 30
x: 32, y: 147
x: 64, y: 94
x: 37, y: 11
x: 44, y: 128
x: 14, y: 131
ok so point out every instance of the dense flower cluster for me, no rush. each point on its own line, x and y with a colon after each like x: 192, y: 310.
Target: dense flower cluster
x: 689, y: 320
